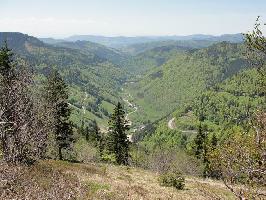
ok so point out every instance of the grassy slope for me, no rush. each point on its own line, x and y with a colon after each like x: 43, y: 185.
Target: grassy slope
x: 62, y: 180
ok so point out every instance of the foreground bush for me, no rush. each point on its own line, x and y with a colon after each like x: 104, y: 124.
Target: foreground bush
x: 172, y: 179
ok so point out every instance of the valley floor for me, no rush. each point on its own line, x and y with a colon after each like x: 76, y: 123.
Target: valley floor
x: 63, y: 180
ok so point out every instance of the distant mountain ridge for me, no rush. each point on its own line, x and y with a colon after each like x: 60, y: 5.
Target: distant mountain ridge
x: 122, y: 41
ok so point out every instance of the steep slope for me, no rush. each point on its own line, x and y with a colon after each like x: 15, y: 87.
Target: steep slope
x: 183, y: 78
x: 231, y: 102
x: 227, y: 105
x: 101, y: 51
x: 94, y: 81
x: 153, y: 57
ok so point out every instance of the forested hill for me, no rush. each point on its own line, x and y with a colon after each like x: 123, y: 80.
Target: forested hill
x: 185, y: 76
x: 86, y: 47
x: 139, y: 48
x: 94, y: 80
x: 149, y: 59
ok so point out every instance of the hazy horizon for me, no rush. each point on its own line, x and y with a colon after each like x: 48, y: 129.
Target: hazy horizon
x: 129, y: 36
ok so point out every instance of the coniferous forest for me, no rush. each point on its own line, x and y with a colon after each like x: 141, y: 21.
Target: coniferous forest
x: 167, y: 117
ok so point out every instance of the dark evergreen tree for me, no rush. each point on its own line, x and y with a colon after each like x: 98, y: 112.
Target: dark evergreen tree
x: 57, y: 96
x: 81, y: 130
x: 97, y: 137
x: 199, y: 142
x: 117, y: 138
x: 86, y: 133
x: 208, y: 171
x: 214, y: 141
x: 101, y: 144
x: 6, y: 66
x: 183, y: 141
x: 95, y: 131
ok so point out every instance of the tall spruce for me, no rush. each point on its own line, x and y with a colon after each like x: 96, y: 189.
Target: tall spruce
x: 57, y: 96
x: 97, y: 137
x: 118, y: 142
x: 95, y: 132
x: 200, y: 140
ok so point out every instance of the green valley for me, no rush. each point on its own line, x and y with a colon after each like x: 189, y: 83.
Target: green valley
x: 168, y: 109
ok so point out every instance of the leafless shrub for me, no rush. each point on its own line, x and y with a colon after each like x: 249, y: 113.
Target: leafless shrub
x: 241, y: 160
x: 23, y: 116
x: 163, y: 160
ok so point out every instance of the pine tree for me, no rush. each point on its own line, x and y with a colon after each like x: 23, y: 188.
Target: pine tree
x: 6, y: 66
x: 208, y: 171
x: 101, y: 144
x: 81, y: 130
x: 199, y: 142
x: 57, y: 96
x: 117, y: 139
x: 95, y: 132
x: 214, y: 141
x: 97, y: 137
x: 201, y: 137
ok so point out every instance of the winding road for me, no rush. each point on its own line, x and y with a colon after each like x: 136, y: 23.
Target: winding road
x: 135, y: 109
x: 171, y: 123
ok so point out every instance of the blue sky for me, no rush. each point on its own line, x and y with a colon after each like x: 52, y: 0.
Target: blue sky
x: 61, y: 18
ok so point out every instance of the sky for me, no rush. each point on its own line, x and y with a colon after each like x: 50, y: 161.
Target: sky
x: 62, y: 18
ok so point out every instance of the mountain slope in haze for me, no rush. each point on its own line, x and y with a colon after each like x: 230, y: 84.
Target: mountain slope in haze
x: 51, y: 40
x: 94, y: 81
x: 110, y: 54
x: 136, y: 49
x: 183, y: 78
x: 154, y: 57
x: 121, y: 41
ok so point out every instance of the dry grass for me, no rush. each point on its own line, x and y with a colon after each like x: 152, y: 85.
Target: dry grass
x: 63, y: 180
